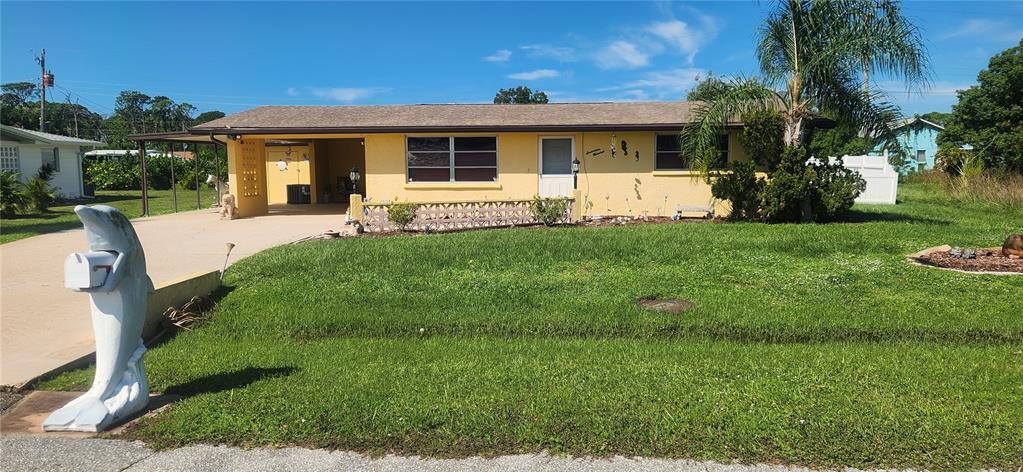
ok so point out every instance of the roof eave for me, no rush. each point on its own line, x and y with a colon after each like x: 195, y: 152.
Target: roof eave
x: 439, y: 129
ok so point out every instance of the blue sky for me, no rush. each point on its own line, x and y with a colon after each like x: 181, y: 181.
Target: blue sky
x: 233, y: 56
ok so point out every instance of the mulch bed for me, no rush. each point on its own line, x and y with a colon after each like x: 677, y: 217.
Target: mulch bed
x: 987, y: 260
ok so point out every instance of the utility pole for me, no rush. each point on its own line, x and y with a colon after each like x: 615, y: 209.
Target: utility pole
x: 45, y: 80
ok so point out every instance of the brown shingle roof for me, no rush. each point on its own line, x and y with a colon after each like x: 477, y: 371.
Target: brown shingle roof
x: 555, y: 116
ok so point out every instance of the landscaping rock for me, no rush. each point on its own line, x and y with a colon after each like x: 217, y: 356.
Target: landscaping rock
x: 1013, y: 246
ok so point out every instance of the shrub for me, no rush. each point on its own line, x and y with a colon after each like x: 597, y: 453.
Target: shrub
x: 114, y: 174
x: 836, y: 190
x: 762, y: 136
x: 548, y: 211
x: 12, y: 194
x: 402, y: 214
x: 741, y: 188
x: 123, y: 172
x: 809, y: 191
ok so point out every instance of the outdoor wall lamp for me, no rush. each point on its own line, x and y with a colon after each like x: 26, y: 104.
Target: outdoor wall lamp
x: 355, y: 176
x: 575, y: 173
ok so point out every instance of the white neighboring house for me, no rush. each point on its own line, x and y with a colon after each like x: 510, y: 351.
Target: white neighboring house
x: 25, y: 151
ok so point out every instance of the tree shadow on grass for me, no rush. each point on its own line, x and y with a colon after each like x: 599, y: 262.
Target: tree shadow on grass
x: 859, y: 216
x: 228, y: 380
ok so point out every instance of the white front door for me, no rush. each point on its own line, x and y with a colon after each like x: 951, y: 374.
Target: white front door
x: 556, y: 179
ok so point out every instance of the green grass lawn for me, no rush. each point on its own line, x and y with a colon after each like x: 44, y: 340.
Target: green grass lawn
x: 62, y: 217
x: 809, y: 344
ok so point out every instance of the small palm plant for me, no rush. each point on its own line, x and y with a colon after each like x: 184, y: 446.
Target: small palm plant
x: 12, y: 194
x: 39, y: 194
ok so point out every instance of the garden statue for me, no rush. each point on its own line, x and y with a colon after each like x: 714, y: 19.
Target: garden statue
x: 1013, y: 246
x: 222, y: 187
x: 228, y: 209
x: 113, y: 273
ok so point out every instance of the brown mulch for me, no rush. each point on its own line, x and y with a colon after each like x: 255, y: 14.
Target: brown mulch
x: 987, y: 260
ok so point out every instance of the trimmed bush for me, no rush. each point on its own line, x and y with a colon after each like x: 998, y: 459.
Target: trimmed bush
x: 549, y: 211
x: 402, y: 214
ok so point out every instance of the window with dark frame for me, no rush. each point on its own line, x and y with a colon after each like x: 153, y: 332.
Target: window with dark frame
x: 452, y: 159
x: 668, y: 153
x: 51, y: 157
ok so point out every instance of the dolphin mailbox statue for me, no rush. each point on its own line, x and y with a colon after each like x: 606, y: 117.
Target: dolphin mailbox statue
x: 113, y: 273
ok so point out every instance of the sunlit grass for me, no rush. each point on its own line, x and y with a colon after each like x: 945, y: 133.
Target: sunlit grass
x: 809, y: 344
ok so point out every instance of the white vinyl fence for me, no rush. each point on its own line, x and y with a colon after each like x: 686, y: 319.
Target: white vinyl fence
x: 882, y: 179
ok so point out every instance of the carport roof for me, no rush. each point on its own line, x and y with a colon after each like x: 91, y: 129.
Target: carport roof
x: 454, y: 117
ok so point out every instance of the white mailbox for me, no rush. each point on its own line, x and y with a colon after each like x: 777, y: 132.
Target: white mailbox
x: 87, y: 269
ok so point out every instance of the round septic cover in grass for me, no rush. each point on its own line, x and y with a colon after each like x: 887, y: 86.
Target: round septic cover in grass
x: 666, y: 305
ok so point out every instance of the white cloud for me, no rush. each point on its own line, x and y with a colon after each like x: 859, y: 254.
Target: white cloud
x: 1000, y: 30
x: 683, y: 37
x: 547, y: 51
x: 621, y: 55
x: 535, y: 74
x: 347, y: 94
x: 659, y: 85
x: 501, y: 55
x: 292, y: 92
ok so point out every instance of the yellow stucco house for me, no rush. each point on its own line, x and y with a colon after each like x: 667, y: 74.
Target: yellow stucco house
x: 626, y: 155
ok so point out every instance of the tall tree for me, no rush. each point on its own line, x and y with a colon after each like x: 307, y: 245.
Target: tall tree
x: 936, y: 117
x: 130, y: 106
x: 811, y: 50
x: 989, y: 115
x: 208, y: 116
x: 519, y: 95
x: 708, y: 89
x: 18, y: 93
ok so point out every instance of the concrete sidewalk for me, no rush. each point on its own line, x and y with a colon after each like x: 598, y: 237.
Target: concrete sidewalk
x: 44, y: 325
x: 60, y: 454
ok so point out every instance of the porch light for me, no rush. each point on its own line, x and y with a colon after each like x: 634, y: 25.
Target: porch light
x: 575, y: 165
x: 355, y: 175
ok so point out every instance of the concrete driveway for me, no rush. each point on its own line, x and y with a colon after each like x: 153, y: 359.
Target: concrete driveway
x: 44, y: 325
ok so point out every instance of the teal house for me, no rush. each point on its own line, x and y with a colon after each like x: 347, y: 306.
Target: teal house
x: 920, y: 138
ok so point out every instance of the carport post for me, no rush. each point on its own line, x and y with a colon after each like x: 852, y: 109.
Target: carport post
x: 195, y: 156
x: 174, y: 180
x: 142, y: 168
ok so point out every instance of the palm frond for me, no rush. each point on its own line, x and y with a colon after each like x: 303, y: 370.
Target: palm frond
x: 699, y: 138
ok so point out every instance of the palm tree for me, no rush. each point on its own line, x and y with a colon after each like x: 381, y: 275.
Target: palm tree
x: 811, y: 53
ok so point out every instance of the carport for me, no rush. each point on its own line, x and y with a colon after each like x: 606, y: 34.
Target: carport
x: 183, y: 141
